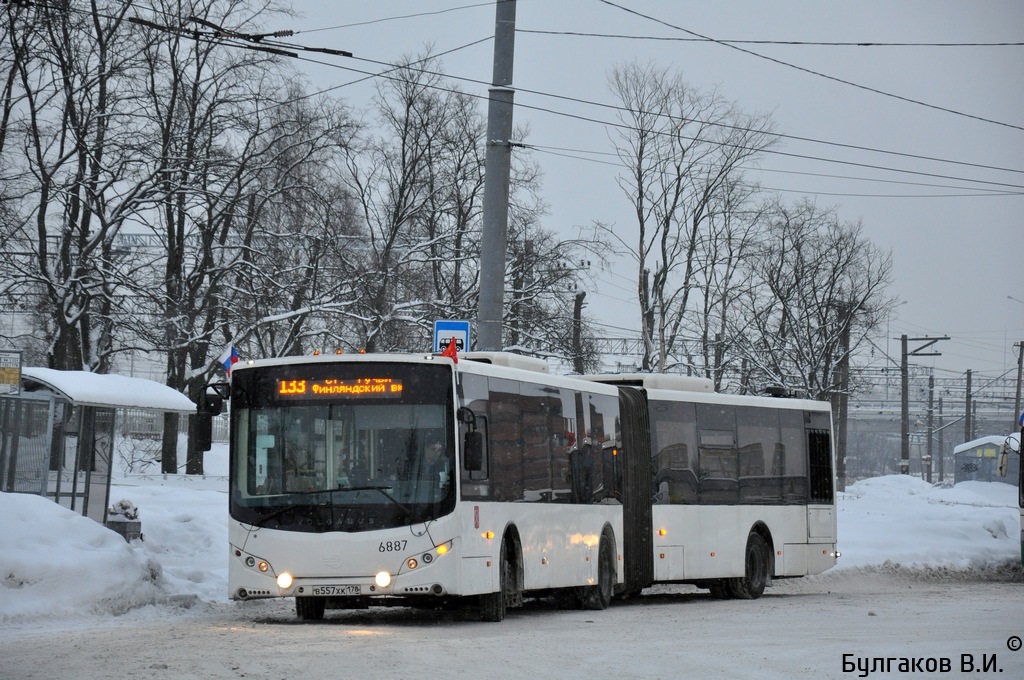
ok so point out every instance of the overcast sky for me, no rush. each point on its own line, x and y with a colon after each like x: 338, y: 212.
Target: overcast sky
x: 923, y: 144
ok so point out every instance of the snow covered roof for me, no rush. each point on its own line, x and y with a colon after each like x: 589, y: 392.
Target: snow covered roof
x: 112, y: 391
x: 996, y: 439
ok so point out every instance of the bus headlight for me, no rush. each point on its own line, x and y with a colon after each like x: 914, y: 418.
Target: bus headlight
x: 382, y: 579
x: 284, y: 580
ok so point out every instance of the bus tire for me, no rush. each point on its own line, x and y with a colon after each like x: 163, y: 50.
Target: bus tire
x: 494, y: 605
x: 720, y: 589
x: 751, y: 585
x: 599, y: 596
x: 310, y: 608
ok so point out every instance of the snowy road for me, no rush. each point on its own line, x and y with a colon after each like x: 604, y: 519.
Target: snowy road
x: 800, y: 629
x: 76, y: 602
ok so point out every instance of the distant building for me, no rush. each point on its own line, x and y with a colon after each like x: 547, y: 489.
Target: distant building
x: 978, y: 460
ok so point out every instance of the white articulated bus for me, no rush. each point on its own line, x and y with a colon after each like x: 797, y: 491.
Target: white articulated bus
x: 360, y: 480
x: 742, y: 487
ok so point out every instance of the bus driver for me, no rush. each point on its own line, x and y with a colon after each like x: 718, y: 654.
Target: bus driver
x: 435, y: 462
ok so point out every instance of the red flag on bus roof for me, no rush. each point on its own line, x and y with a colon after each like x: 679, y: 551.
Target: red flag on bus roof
x: 451, y: 351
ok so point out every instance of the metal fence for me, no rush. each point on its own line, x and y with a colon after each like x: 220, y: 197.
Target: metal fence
x: 52, y: 448
x: 140, y: 424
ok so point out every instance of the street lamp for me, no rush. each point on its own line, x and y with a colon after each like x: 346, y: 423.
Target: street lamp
x: 1010, y: 297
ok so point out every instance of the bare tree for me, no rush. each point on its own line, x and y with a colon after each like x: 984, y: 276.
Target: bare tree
x: 680, y: 147
x: 72, y: 175
x: 17, y: 48
x: 394, y: 177
x: 450, y: 220
x: 296, y: 289
x: 546, y: 273
x: 722, y: 276
x: 255, y: 217
x: 818, y: 279
x: 419, y: 184
x: 227, y: 154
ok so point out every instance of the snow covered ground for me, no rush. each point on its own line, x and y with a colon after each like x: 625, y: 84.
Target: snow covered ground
x: 920, y: 558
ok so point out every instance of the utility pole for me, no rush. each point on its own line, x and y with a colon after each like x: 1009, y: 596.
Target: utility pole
x: 942, y: 445
x: 931, y: 424
x: 577, y: 332
x: 497, y: 168
x: 1020, y: 372
x: 904, y: 408
x: 968, y: 424
x: 842, y: 407
x: 905, y: 392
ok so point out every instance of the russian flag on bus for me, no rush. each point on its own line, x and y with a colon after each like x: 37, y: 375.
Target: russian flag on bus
x: 229, y: 358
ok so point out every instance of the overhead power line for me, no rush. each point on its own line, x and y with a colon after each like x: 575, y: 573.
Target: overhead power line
x: 802, y: 156
x: 811, y: 71
x: 520, y: 105
x: 613, y: 107
x: 262, y: 43
x: 594, y: 157
x: 780, y: 135
x: 399, y: 17
x: 392, y: 67
x: 796, y: 43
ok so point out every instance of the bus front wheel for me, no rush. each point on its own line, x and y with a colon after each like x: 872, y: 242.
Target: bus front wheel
x: 494, y: 605
x: 310, y: 608
x: 751, y: 585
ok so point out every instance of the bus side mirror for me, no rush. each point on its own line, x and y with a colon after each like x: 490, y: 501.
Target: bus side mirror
x: 473, y: 451
x: 204, y: 431
x: 1004, y: 458
x: 211, y: 404
x: 212, y: 398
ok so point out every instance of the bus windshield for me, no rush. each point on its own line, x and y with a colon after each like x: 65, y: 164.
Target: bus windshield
x: 341, y: 446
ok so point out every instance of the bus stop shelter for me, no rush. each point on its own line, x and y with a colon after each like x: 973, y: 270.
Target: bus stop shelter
x: 57, y: 435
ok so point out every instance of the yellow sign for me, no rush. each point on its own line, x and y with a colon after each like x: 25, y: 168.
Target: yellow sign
x: 10, y: 372
x: 337, y: 387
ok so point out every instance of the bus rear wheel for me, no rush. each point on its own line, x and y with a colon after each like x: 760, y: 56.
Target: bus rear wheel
x: 310, y: 608
x: 599, y: 595
x: 751, y: 585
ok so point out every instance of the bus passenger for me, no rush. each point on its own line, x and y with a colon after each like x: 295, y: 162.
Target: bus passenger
x: 344, y: 463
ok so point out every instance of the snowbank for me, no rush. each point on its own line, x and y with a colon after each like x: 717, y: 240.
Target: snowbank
x: 54, y: 563
x: 903, y: 520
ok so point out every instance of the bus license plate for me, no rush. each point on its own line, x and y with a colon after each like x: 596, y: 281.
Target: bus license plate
x: 335, y: 590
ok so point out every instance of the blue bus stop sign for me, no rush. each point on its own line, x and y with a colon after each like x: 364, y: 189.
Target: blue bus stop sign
x: 446, y: 331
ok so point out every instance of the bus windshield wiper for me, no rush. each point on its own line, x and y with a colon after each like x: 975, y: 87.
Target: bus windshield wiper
x: 382, y: 488
x: 291, y: 506
x: 276, y: 513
